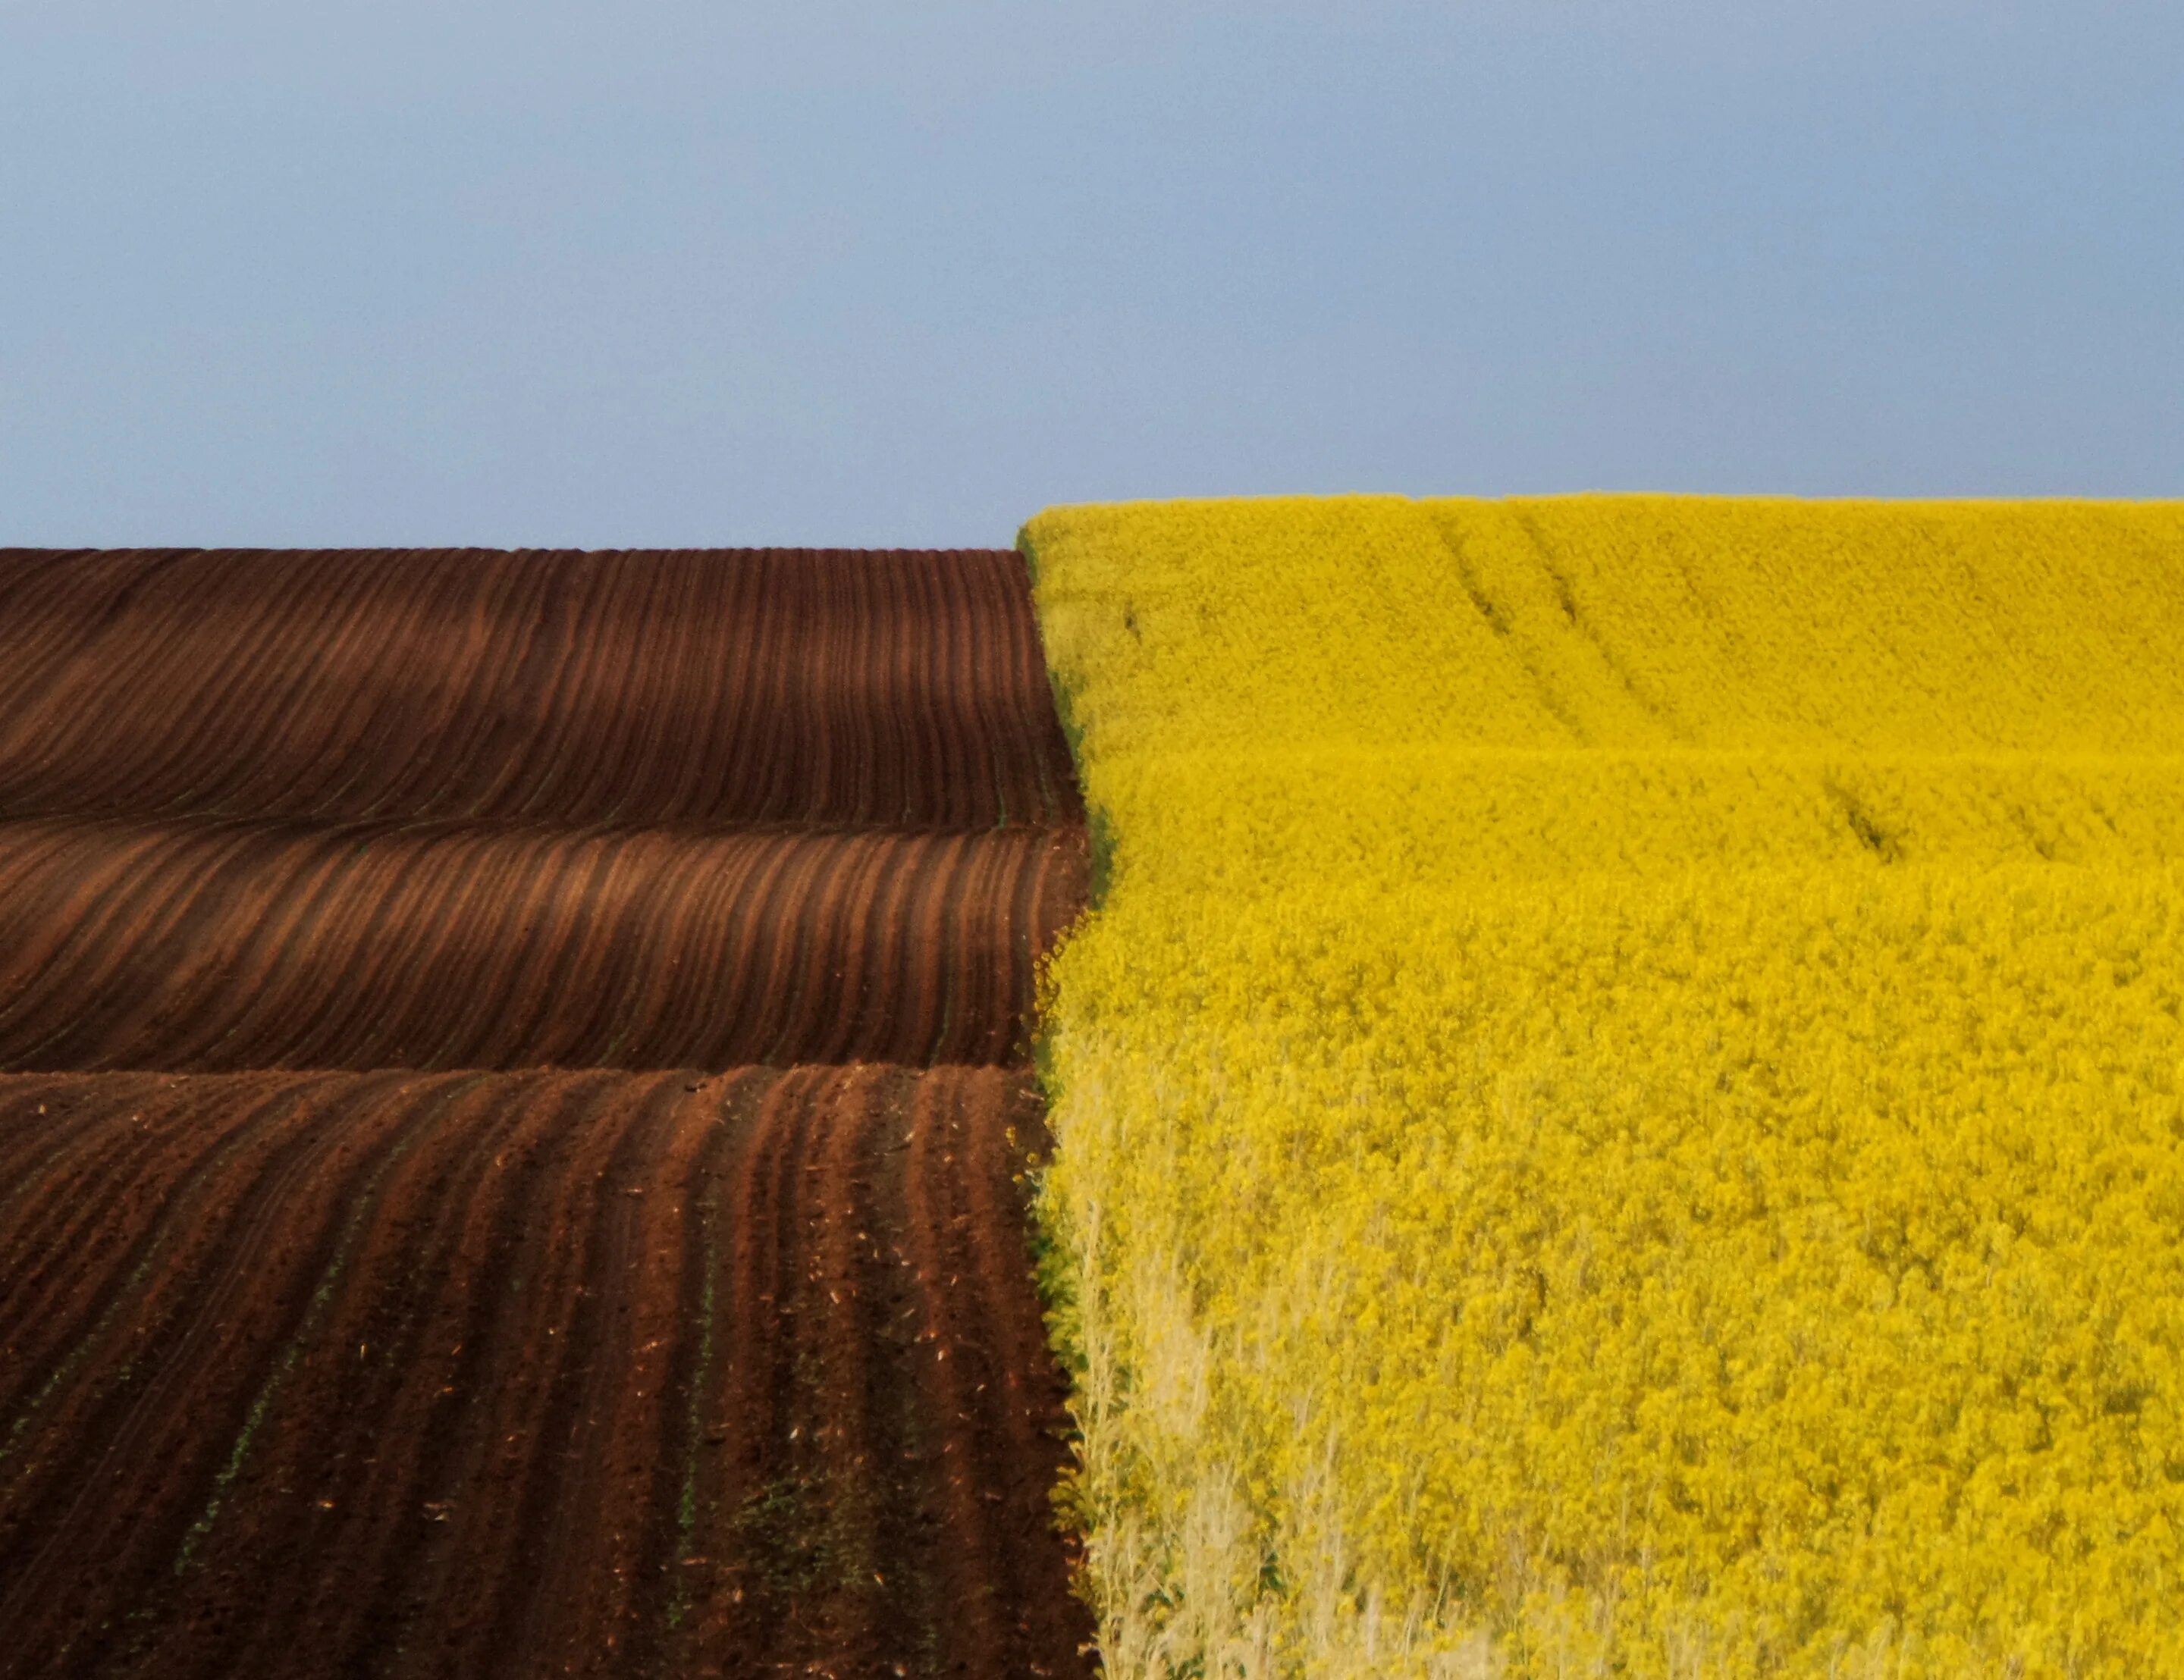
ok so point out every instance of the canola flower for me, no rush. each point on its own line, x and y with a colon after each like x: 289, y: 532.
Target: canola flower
x: 1622, y: 1109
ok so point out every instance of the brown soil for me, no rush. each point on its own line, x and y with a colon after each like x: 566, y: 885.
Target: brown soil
x: 405, y: 1266
x: 204, y: 947
x: 687, y: 688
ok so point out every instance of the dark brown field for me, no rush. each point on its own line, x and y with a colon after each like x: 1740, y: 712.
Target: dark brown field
x: 512, y: 1107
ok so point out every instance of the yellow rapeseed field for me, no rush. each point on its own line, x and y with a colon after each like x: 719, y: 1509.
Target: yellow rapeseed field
x: 1622, y: 1111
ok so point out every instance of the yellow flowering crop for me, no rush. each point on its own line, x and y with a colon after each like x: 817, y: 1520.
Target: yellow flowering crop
x: 1623, y: 1110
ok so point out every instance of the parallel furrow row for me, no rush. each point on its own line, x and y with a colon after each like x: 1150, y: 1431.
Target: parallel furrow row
x: 680, y: 687
x: 512, y: 1115
x: 211, y: 948
x: 527, y: 1373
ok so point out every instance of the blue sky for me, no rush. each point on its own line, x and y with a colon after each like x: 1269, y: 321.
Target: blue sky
x: 387, y: 272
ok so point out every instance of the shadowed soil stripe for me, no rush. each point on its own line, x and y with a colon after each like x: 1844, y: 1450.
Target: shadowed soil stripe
x: 690, y: 688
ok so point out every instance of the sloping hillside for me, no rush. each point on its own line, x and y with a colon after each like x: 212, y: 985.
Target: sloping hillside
x: 515, y: 1104
x: 1620, y: 1112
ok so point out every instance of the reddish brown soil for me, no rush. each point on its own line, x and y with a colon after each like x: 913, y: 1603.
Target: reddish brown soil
x: 196, y: 946
x: 688, y: 688
x: 403, y: 1270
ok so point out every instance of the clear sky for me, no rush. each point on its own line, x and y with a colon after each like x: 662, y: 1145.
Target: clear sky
x: 695, y: 271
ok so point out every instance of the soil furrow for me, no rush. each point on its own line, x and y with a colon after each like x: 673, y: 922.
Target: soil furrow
x: 482, y: 684
x: 511, y: 1095
x: 365, y: 948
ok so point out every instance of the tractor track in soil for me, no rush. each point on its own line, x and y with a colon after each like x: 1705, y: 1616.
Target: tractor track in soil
x: 513, y: 1116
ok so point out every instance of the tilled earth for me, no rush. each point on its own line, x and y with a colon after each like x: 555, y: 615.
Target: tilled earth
x: 513, y: 1115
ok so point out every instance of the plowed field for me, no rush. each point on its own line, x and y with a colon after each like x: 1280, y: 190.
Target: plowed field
x: 511, y: 1105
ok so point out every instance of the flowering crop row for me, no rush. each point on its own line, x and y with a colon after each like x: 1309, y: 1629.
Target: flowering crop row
x: 1622, y: 1111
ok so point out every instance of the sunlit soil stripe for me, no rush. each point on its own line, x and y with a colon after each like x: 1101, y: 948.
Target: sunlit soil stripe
x: 434, y: 948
